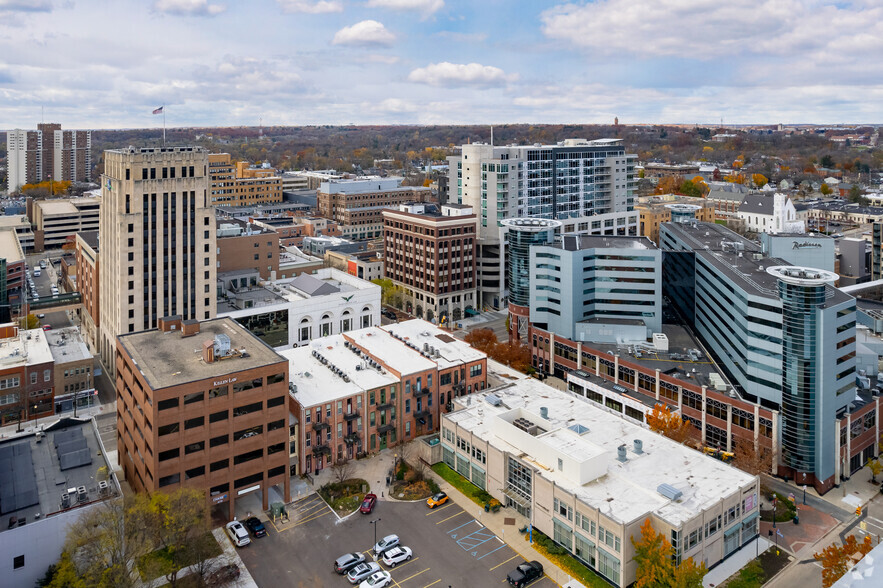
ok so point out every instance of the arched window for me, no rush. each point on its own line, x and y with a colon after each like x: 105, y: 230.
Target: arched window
x: 346, y: 321
x: 325, y: 325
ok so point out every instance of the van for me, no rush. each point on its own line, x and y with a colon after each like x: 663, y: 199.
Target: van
x: 42, y: 264
x: 37, y: 272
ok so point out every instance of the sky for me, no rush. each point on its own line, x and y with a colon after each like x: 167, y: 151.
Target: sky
x: 108, y: 64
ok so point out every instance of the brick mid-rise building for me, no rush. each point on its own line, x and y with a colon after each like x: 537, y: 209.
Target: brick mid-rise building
x: 243, y: 245
x: 430, y: 254
x: 356, y: 205
x: 202, y: 405
x: 240, y: 185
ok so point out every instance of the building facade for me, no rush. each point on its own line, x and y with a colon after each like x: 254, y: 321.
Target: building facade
x: 522, y: 234
x: 240, y: 185
x: 48, y: 152
x: 589, y: 480
x: 430, y: 255
x: 215, y: 421
x: 656, y: 210
x: 366, y: 390
x: 356, y: 205
x: 74, y: 365
x: 589, y: 288
x: 86, y: 253
x: 158, y: 253
x: 721, y: 283
x: 12, y: 272
x: 56, y: 221
x: 27, y: 375
x: 246, y: 246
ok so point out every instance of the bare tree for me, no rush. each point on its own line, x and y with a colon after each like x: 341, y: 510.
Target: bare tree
x: 342, y: 470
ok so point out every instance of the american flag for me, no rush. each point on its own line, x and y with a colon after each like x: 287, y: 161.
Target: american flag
x: 158, y: 110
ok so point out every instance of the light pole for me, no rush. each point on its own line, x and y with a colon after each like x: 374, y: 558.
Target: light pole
x: 36, y: 417
x: 374, y: 522
x: 804, y: 493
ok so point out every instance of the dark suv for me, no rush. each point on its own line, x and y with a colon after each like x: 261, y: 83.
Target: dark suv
x: 525, y: 573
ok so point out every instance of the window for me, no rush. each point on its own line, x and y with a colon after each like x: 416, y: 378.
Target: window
x: 248, y: 456
x: 169, y: 480
x: 219, y: 465
x: 475, y: 370
x: 194, y: 422
x: 169, y: 429
x: 194, y: 447
x: 195, y: 397
x: 218, y: 391
x: 194, y: 473
x: 217, y: 417
x: 18, y: 562
x: 170, y: 454
x: 563, y: 510
x: 167, y: 404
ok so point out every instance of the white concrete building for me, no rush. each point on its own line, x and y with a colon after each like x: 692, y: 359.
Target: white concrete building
x: 763, y: 213
x: 589, y: 479
x: 291, y: 312
x: 60, y: 218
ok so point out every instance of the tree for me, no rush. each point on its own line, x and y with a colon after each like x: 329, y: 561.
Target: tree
x: 835, y: 560
x: 482, y: 339
x: 173, y: 523
x: 31, y: 321
x: 342, y: 470
x: 390, y: 293
x: 662, y: 420
x: 826, y: 189
x: 876, y: 467
x: 656, y: 567
x: 513, y: 354
x: 751, y: 461
x: 759, y: 180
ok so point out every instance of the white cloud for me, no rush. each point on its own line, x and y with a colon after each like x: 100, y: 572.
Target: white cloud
x: 458, y: 37
x: 460, y: 74
x: 309, y: 7
x: 189, y: 7
x: 25, y: 5
x: 364, y: 34
x: 377, y: 58
x: 392, y: 105
x: 427, y: 7
x: 709, y: 29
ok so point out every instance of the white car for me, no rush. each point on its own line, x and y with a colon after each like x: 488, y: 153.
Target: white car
x: 396, y: 555
x: 377, y: 580
x: 238, y: 534
x: 362, y: 571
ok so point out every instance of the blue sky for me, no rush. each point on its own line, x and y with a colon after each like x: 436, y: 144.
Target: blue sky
x: 103, y: 64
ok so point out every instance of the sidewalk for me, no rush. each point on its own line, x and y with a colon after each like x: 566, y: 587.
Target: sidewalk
x: 229, y: 556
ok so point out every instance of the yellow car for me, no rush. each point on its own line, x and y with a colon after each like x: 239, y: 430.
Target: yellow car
x: 436, y: 500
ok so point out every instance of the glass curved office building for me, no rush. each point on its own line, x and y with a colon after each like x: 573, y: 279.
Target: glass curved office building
x: 522, y: 233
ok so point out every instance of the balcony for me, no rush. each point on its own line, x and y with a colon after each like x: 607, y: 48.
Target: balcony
x: 422, y: 414
x: 352, y: 415
x: 385, y: 405
x: 352, y: 438
x: 318, y: 426
x: 321, y: 449
x: 386, y: 428
x: 421, y: 392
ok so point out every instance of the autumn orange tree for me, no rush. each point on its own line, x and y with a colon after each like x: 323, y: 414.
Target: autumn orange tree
x: 482, y: 339
x: 513, y: 354
x: 662, y: 420
x: 656, y: 566
x: 835, y: 559
x: 759, y: 180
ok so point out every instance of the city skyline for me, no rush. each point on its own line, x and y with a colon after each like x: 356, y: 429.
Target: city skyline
x: 302, y: 62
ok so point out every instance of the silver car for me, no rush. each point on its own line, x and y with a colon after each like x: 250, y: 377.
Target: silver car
x: 362, y: 571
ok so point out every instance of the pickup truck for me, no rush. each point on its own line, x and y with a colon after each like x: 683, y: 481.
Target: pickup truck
x: 525, y: 573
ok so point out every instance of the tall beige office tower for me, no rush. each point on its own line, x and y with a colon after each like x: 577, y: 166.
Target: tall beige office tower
x: 157, y: 241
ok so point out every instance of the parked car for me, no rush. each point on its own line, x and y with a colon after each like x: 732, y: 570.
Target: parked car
x: 47, y: 327
x: 377, y: 580
x: 348, y: 561
x: 362, y: 571
x: 390, y: 315
x: 238, y: 534
x: 396, y: 555
x: 256, y: 527
x: 386, y: 543
x: 41, y: 316
x: 525, y: 573
x: 436, y: 500
x: 368, y: 504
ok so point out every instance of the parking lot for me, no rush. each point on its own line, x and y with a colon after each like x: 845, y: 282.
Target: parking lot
x: 450, y: 547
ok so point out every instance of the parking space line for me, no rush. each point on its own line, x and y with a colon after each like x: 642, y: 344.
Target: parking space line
x: 433, y: 584
x: 452, y: 516
x: 400, y: 566
x: 412, y: 576
x: 435, y: 510
x: 497, y: 549
x: 504, y: 563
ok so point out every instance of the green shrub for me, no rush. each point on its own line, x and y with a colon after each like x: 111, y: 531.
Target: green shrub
x: 433, y: 487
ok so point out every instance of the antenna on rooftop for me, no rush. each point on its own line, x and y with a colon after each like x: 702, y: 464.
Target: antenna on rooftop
x: 492, y: 135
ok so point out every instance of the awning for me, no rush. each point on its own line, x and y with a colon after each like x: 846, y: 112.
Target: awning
x: 517, y: 498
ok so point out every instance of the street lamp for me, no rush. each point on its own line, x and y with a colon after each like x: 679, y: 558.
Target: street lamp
x: 804, y: 492
x: 36, y: 417
x: 374, y: 522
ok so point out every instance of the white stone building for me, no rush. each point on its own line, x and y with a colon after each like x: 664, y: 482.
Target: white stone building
x: 763, y: 213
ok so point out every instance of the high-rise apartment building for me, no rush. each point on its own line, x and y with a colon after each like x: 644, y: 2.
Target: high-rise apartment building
x: 48, y: 152
x: 588, y: 185
x: 430, y: 254
x: 158, y: 241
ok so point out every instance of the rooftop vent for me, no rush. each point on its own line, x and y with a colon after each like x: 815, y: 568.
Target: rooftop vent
x: 620, y: 453
x: 669, y: 491
x: 639, y: 446
x: 493, y: 400
x: 222, y: 345
x: 544, y: 412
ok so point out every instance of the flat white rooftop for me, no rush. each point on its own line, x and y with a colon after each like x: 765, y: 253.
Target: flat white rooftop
x: 452, y: 352
x: 67, y: 345
x: 10, y: 248
x: 28, y: 348
x: 391, y: 351
x: 624, y: 491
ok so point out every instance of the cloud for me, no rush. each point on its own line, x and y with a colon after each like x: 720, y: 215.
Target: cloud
x: 708, y: 29
x: 376, y: 58
x: 309, y: 7
x: 25, y: 5
x: 459, y: 75
x: 364, y: 34
x: 427, y: 7
x: 393, y: 105
x: 189, y: 7
x: 458, y: 37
